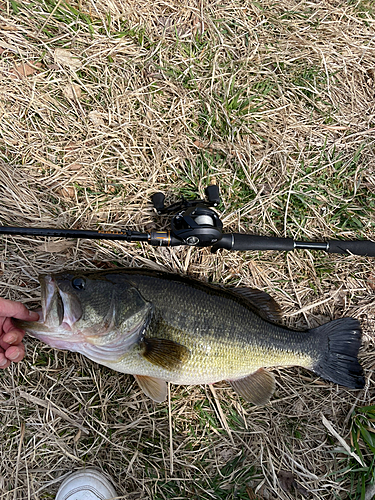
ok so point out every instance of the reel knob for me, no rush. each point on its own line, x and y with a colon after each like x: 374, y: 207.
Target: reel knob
x: 212, y: 193
x: 158, y: 201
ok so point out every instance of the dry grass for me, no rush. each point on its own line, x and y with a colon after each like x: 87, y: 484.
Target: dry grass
x: 273, y: 101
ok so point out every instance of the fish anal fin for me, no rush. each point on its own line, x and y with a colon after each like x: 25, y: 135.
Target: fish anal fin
x: 265, y: 305
x: 256, y: 388
x: 154, y: 388
x: 164, y: 353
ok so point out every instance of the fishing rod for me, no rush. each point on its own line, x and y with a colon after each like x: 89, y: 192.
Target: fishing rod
x: 194, y: 223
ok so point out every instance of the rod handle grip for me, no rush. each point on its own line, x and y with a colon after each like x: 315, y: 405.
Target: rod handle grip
x: 238, y: 241
x: 356, y: 247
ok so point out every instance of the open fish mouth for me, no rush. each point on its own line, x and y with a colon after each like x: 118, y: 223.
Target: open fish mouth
x: 59, y: 309
x: 50, y: 298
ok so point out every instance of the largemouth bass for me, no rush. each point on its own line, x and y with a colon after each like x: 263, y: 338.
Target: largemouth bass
x: 162, y: 327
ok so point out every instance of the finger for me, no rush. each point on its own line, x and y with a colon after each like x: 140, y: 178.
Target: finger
x: 13, y: 336
x: 17, y: 310
x: 4, y: 362
x: 15, y: 353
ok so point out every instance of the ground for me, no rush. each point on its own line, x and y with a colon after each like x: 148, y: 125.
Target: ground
x: 105, y: 103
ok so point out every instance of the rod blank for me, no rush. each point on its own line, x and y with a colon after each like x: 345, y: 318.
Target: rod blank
x: 74, y: 233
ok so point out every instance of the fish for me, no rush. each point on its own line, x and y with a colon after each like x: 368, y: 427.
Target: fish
x: 162, y: 327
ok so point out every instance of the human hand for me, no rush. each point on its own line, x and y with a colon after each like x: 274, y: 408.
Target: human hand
x: 11, y: 347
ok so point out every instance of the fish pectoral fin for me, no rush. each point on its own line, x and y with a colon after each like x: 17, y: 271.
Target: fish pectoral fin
x: 154, y: 388
x: 256, y: 388
x: 163, y: 352
x: 265, y: 305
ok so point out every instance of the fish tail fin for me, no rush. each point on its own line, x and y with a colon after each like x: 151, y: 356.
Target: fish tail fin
x: 339, y: 342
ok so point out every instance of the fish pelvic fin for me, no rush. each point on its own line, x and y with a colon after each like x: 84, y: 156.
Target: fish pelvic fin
x: 164, y: 353
x: 264, y: 305
x: 337, y: 362
x: 256, y: 388
x: 154, y: 388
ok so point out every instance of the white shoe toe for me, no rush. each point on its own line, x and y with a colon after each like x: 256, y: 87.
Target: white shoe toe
x: 86, y: 484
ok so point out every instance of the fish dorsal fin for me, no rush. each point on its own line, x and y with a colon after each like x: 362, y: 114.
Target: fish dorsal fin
x: 256, y: 388
x: 265, y: 305
x: 154, y: 388
x: 163, y: 352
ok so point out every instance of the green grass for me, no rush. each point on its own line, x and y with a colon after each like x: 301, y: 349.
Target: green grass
x: 362, y: 435
x: 230, y: 483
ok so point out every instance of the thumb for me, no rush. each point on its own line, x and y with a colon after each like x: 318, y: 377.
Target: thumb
x: 13, y: 309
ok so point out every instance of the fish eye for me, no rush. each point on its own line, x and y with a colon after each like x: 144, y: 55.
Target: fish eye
x: 78, y: 283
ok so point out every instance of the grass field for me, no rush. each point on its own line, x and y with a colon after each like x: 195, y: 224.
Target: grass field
x: 104, y: 103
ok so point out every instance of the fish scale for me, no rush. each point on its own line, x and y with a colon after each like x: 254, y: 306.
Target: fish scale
x: 227, y: 338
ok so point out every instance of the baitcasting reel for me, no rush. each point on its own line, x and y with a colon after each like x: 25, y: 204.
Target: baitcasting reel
x: 193, y: 224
